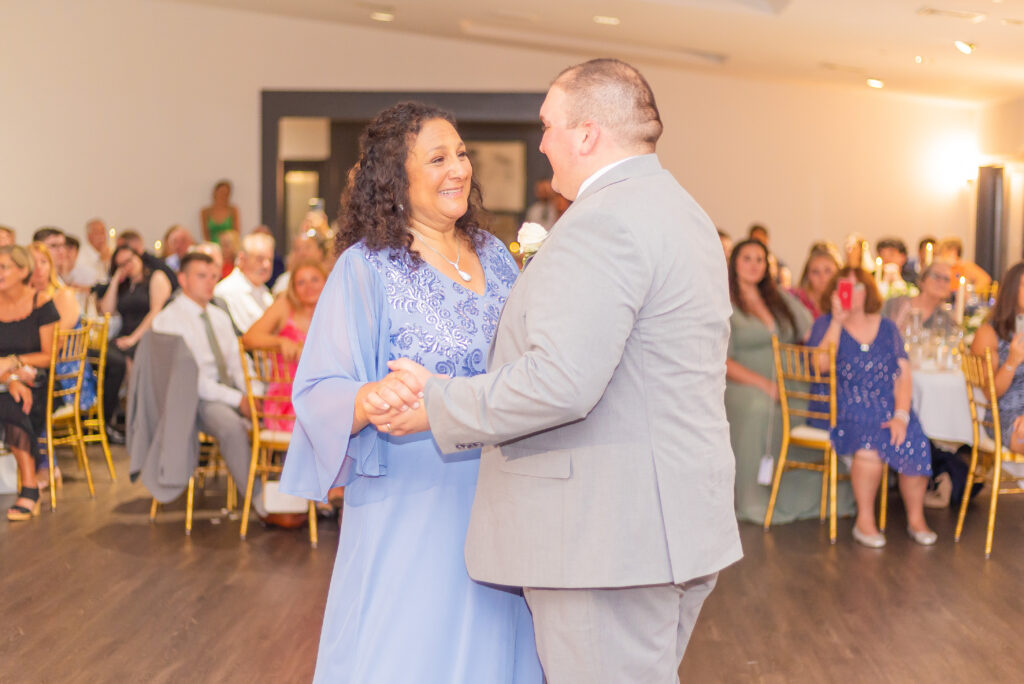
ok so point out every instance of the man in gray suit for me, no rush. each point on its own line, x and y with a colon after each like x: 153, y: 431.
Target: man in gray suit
x: 606, y: 477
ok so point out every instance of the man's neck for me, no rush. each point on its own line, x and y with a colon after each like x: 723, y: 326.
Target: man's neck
x: 201, y: 303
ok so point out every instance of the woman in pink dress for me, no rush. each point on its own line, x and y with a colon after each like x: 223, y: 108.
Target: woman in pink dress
x: 283, y: 328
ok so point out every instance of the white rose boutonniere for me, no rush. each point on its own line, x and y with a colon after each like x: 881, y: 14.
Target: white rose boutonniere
x: 530, y: 237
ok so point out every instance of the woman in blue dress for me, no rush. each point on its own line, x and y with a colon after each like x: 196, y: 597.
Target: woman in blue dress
x: 418, y: 278
x: 874, y: 421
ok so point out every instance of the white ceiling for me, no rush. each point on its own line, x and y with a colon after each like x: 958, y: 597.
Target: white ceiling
x: 821, y: 41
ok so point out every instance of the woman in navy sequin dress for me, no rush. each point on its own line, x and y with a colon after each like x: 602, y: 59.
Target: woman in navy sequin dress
x: 874, y: 422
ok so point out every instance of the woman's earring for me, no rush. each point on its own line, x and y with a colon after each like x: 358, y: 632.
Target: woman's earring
x: 401, y: 207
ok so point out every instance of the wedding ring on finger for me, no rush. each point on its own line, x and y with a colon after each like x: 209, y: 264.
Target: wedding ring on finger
x: 387, y: 427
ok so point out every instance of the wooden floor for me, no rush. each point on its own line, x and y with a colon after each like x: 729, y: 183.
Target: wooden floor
x: 95, y: 593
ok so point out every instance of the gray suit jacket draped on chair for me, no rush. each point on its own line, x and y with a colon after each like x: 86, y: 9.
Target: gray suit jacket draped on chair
x: 163, y: 437
x: 607, y: 460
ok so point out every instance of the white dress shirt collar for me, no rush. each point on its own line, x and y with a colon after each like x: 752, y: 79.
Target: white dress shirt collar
x: 600, y: 172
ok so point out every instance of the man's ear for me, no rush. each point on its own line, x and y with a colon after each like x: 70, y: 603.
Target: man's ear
x: 591, y: 135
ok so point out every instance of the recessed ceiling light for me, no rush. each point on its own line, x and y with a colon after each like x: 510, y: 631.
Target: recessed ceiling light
x: 382, y: 16
x: 964, y: 46
x: 918, y: 59
x: 607, y: 21
x: 875, y: 83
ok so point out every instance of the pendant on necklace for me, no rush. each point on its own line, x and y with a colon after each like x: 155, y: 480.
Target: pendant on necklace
x: 462, y: 274
x: 865, y: 347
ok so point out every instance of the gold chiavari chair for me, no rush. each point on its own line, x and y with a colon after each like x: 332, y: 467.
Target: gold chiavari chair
x: 264, y: 368
x: 67, y: 363
x: 804, y: 375
x: 988, y: 453
x: 94, y: 428
x: 210, y: 466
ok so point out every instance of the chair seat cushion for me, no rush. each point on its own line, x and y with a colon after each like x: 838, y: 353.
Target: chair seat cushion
x: 65, y: 411
x: 276, y: 436
x: 806, y: 432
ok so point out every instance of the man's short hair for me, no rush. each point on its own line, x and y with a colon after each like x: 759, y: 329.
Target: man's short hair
x: 72, y: 242
x: 614, y: 95
x: 950, y: 243
x: 892, y: 243
x: 194, y: 257
x: 926, y: 240
x: 46, y: 232
x: 250, y: 241
x: 9, y: 231
x: 130, y: 234
x: 756, y: 228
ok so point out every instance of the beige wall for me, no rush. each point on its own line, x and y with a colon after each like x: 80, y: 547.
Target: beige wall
x: 132, y: 109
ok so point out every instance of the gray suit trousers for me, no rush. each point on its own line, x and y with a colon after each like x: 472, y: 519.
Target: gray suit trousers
x: 232, y: 432
x: 616, y: 636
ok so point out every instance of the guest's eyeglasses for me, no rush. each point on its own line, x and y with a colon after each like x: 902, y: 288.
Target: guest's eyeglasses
x: 941, y: 278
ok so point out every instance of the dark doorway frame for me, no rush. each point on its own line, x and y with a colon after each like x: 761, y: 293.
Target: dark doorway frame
x: 469, y: 108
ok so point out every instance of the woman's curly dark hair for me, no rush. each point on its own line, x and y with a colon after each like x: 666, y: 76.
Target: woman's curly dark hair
x: 374, y: 206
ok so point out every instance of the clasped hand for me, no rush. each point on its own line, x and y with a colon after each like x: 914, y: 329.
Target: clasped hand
x: 395, y: 404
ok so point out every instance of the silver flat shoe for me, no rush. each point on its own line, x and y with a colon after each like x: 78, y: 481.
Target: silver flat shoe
x: 924, y: 538
x: 873, y: 541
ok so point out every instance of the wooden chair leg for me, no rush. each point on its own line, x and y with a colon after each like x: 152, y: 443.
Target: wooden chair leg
x: 883, y: 499
x: 776, y: 481
x: 152, y: 510
x: 232, y: 502
x: 313, y: 538
x: 52, y: 462
x: 247, y: 504
x: 188, y: 505
x: 997, y: 475
x: 833, y: 475
x: 967, y: 494
x: 823, y: 513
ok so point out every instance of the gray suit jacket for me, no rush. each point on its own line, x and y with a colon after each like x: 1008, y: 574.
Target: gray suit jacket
x: 163, y: 434
x: 606, y: 459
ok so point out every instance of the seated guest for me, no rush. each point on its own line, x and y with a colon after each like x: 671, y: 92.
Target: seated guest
x: 780, y: 272
x: 245, y: 290
x: 308, y: 245
x: 923, y: 259
x: 874, y: 421
x: 44, y: 280
x: 853, y: 250
x: 223, y: 407
x: 137, y: 293
x: 95, y: 254
x: 934, y: 292
x: 28, y: 320
x: 132, y: 238
x: 283, y: 327
x: 7, y: 236
x: 230, y: 245
x: 175, y: 245
x: 56, y: 242
x: 893, y: 251
x: 277, y: 268
x: 822, y: 263
x: 79, y: 275
x: 221, y: 216
x: 951, y: 250
x: 1000, y: 336
x: 761, y: 309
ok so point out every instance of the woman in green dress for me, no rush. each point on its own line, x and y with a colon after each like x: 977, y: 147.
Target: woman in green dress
x: 221, y: 216
x: 761, y: 309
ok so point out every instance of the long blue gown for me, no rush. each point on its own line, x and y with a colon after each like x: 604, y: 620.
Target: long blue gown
x: 401, y: 607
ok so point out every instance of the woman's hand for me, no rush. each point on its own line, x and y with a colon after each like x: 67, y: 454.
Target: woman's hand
x: 771, y: 389
x: 289, y: 349
x: 118, y: 276
x: 125, y: 342
x: 897, y: 428
x: 839, y: 314
x: 21, y: 394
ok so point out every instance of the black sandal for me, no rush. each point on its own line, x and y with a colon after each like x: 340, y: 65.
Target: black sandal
x: 18, y: 513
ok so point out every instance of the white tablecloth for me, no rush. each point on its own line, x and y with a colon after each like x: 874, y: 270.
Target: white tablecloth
x: 940, y: 401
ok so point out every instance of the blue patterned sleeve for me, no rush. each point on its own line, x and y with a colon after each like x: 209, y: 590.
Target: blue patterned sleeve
x: 346, y: 347
x: 897, y: 339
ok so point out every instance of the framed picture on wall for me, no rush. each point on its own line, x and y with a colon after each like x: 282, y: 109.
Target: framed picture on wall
x: 500, y: 169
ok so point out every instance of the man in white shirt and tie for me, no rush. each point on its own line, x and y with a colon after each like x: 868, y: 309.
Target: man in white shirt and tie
x: 207, y: 331
x: 245, y: 290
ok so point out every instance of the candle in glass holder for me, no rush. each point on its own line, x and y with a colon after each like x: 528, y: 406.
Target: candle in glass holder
x: 878, y: 270
x: 929, y: 249
x: 961, y: 301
